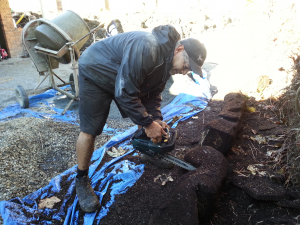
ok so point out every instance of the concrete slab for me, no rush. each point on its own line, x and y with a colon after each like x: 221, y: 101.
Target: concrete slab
x: 21, y: 71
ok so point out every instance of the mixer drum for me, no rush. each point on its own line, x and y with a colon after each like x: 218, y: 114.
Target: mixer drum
x: 72, y: 24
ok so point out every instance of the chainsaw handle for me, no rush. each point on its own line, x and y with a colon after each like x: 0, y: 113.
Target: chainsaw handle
x: 164, y: 137
x: 154, y: 140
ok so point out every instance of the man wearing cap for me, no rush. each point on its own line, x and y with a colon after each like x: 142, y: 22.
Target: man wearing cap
x: 132, y: 69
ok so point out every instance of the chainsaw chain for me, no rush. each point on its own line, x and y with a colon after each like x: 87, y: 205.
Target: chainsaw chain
x: 177, y: 161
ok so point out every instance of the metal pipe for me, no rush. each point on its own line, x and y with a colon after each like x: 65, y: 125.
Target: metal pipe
x: 74, y: 67
x: 40, y: 83
x: 42, y: 9
x: 53, y: 85
x: 67, y: 107
x: 94, y: 30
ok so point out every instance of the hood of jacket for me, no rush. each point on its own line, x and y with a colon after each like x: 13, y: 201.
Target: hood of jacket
x: 167, y: 36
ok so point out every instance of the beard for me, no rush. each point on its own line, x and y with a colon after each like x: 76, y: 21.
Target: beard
x: 173, y: 71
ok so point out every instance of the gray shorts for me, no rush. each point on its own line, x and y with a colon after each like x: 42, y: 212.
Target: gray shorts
x: 94, y: 106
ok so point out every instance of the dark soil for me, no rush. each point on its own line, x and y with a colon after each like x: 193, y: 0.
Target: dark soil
x: 234, y: 205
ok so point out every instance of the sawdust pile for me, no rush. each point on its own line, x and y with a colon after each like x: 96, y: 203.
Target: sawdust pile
x: 33, y: 151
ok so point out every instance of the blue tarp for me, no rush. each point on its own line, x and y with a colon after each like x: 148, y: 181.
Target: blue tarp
x: 123, y: 173
x: 39, y: 101
x: 46, y: 101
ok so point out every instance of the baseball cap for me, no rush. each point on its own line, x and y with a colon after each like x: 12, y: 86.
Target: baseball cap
x: 196, y: 52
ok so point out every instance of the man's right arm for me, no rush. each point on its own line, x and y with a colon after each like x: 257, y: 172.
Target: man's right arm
x: 137, y: 60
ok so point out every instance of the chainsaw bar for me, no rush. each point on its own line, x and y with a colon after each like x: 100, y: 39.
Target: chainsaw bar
x: 145, y: 145
x: 177, y: 161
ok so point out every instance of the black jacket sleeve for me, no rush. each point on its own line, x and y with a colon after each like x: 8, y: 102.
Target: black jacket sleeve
x: 152, y: 102
x: 140, y: 56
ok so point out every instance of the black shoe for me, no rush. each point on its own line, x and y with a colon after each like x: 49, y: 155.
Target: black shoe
x: 161, y: 163
x: 88, y: 200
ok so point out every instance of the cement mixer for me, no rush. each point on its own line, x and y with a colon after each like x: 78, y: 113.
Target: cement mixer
x: 49, y: 43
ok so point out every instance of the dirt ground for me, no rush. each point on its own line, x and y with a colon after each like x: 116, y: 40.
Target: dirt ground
x: 234, y: 205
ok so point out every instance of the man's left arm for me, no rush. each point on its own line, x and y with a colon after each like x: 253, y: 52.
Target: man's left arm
x: 152, y: 103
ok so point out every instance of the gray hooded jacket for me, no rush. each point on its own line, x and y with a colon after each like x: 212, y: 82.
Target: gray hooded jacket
x: 134, y: 66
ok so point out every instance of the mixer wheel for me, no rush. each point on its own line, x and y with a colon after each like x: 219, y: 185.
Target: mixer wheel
x: 22, y: 97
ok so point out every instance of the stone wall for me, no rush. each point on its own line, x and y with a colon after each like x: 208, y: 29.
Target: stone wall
x: 12, y: 35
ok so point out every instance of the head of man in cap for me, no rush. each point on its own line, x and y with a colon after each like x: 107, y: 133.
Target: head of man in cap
x: 189, y: 55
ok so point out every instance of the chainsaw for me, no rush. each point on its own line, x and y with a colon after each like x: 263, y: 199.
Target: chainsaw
x: 161, y: 150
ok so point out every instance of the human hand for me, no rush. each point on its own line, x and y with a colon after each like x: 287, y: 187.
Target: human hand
x: 155, y: 131
x: 162, y: 124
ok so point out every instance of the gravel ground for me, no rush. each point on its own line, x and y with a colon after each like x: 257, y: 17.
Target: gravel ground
x: 33, y: 151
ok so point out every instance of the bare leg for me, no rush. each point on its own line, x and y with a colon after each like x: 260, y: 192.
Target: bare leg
x: 88, y: 200
x: 84, y: 150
